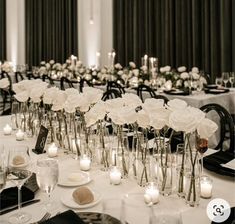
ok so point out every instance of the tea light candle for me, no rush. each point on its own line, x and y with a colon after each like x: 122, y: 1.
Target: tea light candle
x: 85, y: 163
x: 19, y: 135
x: 115, y: 176
x: 7, y: 129
x: 151, y: 193
x: 52, y: 150
x: 206, y: 187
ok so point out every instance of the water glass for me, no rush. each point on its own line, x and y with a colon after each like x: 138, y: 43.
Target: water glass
x: 47, y: 173
x: 225, y: 77
x: 218, y: 81
x: 231, y: 78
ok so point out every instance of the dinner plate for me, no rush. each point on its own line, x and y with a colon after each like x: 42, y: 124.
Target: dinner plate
x: 67, y: 200
x: 216, y: 91
x: 74, y: 179
x: 176, y: 92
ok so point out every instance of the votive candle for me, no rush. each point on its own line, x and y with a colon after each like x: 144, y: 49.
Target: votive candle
x: 206, y: 187
x: 85, y: 163
x: 115, y: 176
x: 52, y: 150
x: 19, y: 135
x: 151, y: 193
x: 7, y: 129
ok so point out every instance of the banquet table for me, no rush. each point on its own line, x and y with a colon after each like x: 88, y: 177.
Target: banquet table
x: 223, y: 187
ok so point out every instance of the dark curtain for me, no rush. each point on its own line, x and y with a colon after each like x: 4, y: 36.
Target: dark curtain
x: 51, y: 30
x: 179, y: 32
x: 3, y: 30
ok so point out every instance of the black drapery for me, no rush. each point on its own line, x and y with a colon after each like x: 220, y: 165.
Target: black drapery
x: 179, y: 32
x: 2, y: 30
x: 51, y: 30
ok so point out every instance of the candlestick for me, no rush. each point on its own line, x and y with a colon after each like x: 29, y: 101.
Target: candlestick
x: 151, y: 193
x: 113, y: 58
x: 97, y: 59
x: 7, y: 129
x: 115, y: 176
x: 85, y: 163
x: 52, y: 150
x: 19, y: 135
x: 206, y: 187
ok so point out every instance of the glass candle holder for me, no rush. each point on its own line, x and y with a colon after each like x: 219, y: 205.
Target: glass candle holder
x: 85, y: 163
x: 115, y: 176
x: 7, y: 129
x: 151, y: 193
x: 206, y: 187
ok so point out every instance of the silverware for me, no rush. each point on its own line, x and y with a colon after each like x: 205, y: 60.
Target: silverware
x: 44, y: 218
x: 14, y: 207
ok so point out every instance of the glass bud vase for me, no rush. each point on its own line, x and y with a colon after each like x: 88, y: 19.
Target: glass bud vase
x: 192, y: 178
x: 165, y: 177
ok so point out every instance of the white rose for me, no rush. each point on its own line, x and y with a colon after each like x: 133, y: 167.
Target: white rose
x: 120, y: 72
x: 159, y: 118
x: 52, y: 62
x: 206, y: 128
x: 69, y: 107
x: 151, y: 104
x: 136, y: 72
x: 48, y: 66
x: 179, y: 83
x: 114, y: 104
x: 144, y: 68
x: 22, y: 96
x: 168, y: 85
x: 103, y: 70
x: 132, y: 64
x: 79, y: 63
x: 4, y: 83
x: 131, y: 99
x: 203, y: 80
x: 88, y: 76
x: 195, y: 70
x: 42, y: 62
x: 162, y: 70
x: 143, y: 119
x: 181, y: 69
x: 167, y: 68
x: 90, y: 118
x: 36, y: 93
x: 59, y: 100
x: 184, y: 75
x: 71, y: 91
x: 49, y: 95
x: 118, y: 66
x: 195, y: 76
x: 92, y: 95
x: 176, y: 104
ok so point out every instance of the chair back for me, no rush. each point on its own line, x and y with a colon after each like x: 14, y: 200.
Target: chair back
x: 111, y: 94
x: 46, y: 77
x: 82, y: 84
x: 226, y: 125
x: 19, y: 76
x: 63, y: 81
x: 116, y: 85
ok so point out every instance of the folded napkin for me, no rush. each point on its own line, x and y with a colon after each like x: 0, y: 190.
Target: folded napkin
x: 9, y: 196
x: 68, y: 217
x: 214, y: 162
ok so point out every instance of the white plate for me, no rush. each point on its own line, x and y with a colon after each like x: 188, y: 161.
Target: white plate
x: 67, y: 200
x: 74, y: 179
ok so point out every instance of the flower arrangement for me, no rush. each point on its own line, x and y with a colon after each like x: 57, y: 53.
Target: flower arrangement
x: 6, y: 67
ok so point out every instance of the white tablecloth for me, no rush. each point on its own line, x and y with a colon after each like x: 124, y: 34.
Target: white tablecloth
x: 223, y: 187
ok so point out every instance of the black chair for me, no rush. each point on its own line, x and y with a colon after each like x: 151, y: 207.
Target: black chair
x: 82, y: 84
x: 116, y: 85
x: 7, y: 95
x: 111, y: 94
x: 66, y: 81
x: 143, y: 88
x: 45, y: 77
x: 19, y: 76
x: 226, y: 125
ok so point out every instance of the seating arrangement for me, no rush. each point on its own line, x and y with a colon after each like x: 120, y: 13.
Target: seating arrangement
x: 111, y: 94
x: 116, y: 85
x: 82, y: 84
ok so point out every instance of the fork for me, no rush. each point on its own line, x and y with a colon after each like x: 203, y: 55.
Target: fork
x: 44, y: 218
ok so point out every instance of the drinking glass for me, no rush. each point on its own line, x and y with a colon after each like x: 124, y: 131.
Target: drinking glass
x: 47, y: 174
x: 19, y: 177
x: 3, y: 166
x: 231, y: 78
x: 218, y: 81
x: 15, y: 115
x: 225, y: 77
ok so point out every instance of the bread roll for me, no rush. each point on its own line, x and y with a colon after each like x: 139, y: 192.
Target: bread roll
x: 83, y: 195
x: 18, y: 160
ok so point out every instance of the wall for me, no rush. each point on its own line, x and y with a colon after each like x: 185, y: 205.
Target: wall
x: 91, y: 38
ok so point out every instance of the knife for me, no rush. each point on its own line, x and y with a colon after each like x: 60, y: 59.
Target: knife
x: 14, y: 207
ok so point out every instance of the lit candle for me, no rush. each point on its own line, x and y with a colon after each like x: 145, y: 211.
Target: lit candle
x: 113, y: 58
x: 151, y: 193
x: 109, y: 59
x: 52, y: 150
x: 115, y: 176
x: 19, y: 135
x: 73, y: 60
x: 85, y: 163
x: 7, y: 129
x: 146, y: 60
x: 206, y: 187
x: 97, y: 59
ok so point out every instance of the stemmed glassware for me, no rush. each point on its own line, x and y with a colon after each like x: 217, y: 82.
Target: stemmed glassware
x: 225, y: 77
x: 19, y: 160
x: 218, y: 81
x: 231, y: 78
x: 47, y: 177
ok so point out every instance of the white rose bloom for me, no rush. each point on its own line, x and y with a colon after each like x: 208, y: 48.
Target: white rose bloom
x: 88, y: 76
x: 152, y: 104
x: 181, y: 69
x: 59, y: 100
x: 37, y: 92
x: 143, y: 119
x: 99, y: 109
x: 79, y: 63
x: 195, y: 70
x: 124, y: 76
x: 168, y: 85
x: 206, y: 128
x: 42, y: 63
x: 92, y: 95
x: 195, y: 76
x: 69, y: 107
x: 49, y: 95
x: 4, y: 83
x: 162, y: 70
x: 132, y: 64
x: 179, y: 83
x: 176, y: 104
x: 184, y: 75
x: 159, y: 118
x: 167, y: 68
x: 131, y: 99
x: 90, y: 118
x: 48, y: 66
x: 203, y: 80
x: 144, y: 68
x: 186, y: 84
x: 71, y: 91
x: 118, y: 66
x: 120, y: 72
x: 114, y: 104
x: 136, y: 72
x: 68, y: 61
x: 103, y: 70
x: 52, y: 62
x: 22, y: 96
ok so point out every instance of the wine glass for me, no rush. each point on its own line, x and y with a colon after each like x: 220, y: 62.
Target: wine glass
x: 3, y: 167
x: 218, y: 81
x: 201, y: 147
x: 225, y: 77
x: 19, y: 177
x: 47, y: 177
x: 231, y: 78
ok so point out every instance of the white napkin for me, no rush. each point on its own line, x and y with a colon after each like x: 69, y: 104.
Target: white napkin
x: 230, y: 164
